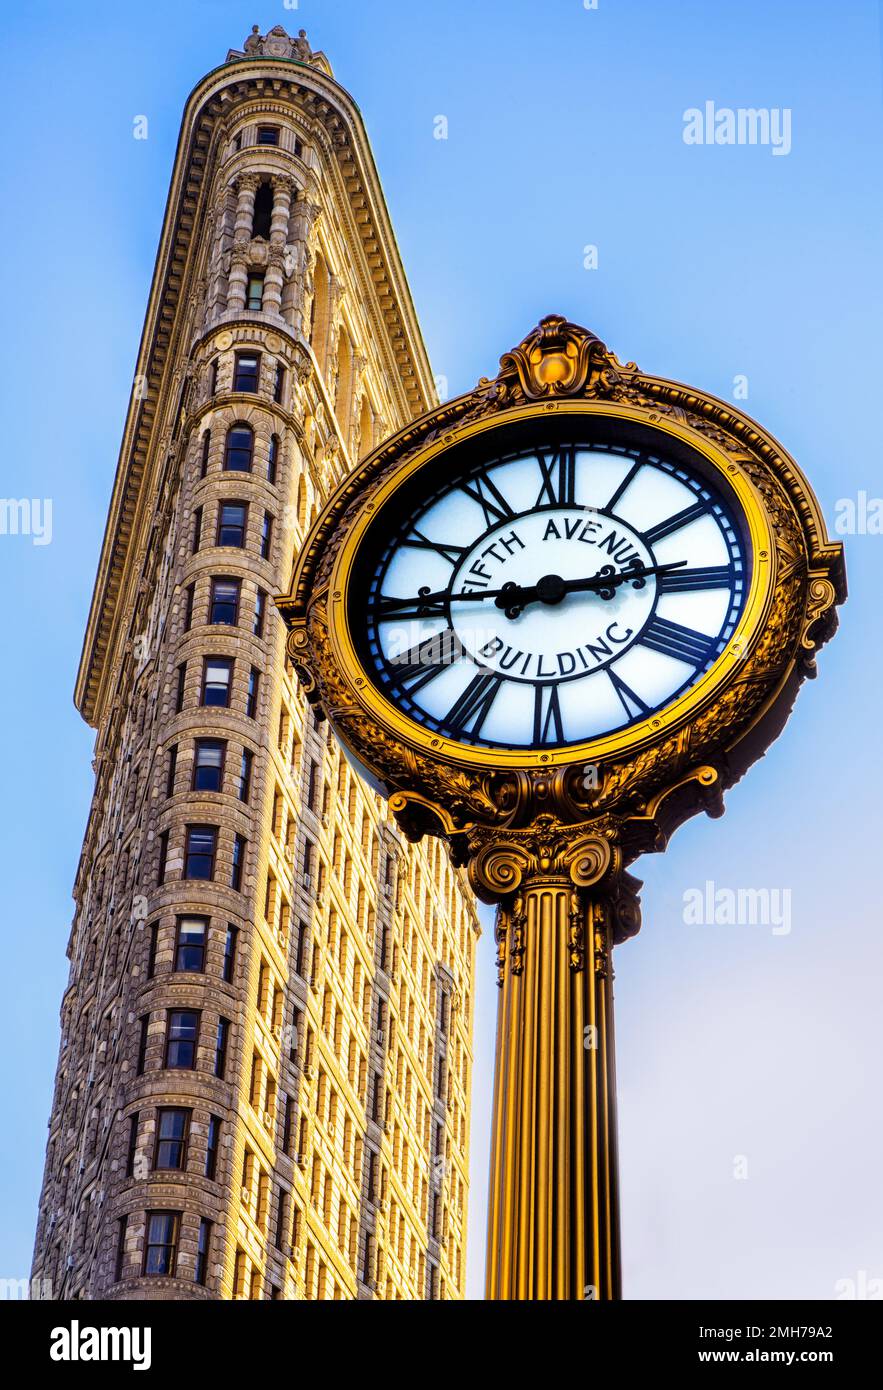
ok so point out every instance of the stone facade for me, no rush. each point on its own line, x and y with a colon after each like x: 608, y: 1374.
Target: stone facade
x: 263, y: 1081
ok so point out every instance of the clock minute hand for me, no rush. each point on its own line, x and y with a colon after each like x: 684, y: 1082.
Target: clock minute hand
x: 608, y: 579
x: 551, y: 589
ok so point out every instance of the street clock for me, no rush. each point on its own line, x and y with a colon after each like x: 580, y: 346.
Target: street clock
x: 550, y: 620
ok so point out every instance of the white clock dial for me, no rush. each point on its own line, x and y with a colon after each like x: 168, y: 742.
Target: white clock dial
x: 553, y: 595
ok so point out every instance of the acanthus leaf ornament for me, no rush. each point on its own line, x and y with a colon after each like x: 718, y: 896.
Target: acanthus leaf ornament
x: 560, y: 359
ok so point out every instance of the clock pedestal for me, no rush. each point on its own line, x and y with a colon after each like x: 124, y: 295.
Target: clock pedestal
x: 553, y: 1227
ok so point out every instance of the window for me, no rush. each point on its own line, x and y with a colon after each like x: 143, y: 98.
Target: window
x: 202, y: 1246
x: 179, y: 694
x: 278, y: 383
x: 208, y: 765
x: 266, y: 535
x: 301, y: 955
x: 151, y: 949
x: 238, y: 860
x: 217, y: 676
x: 260, y: 609
x: 230, y: 952
x: 132, y: 1145
x: 143, y: 1025
x: 171, y: 770
x: 263, y: 211
x: 232, y: 522
x: 224, y: 602
x: 206, y: 445
x: 212, y: 1143
x: 161, y: 1247
x: 238, y: 449
x: 121, y: 1247
x: 309, y: 859
x: 199, y: 859
x: 245, y: 774
x: 272, y: 458
x: 188, y: 606
x: 312, y: 783
x: 190, y: 943
x: 246, y: 371
x: 221, y: 1043
x: 172, y: 1132
x: 213, y: 377
x: 239, y: 1274
x: 254, y: 293
x: 182, y: 1034
x: 197, y: 529
x: 268, y: 135
x: 163, y: 856
x: 251, y: 699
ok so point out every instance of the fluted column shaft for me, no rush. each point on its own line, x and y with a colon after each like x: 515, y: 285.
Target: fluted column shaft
x: 553, y: 1225
x: 564, y: 899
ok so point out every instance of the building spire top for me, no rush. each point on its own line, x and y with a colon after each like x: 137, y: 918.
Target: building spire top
x: 277, y: 43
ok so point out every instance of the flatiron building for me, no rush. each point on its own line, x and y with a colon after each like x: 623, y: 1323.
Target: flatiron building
x: 264, y: 1070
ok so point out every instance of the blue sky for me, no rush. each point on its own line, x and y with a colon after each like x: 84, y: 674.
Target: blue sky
x: 738, y: 1050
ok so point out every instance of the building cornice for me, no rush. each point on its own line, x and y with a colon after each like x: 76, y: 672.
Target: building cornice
x: 210, y: 106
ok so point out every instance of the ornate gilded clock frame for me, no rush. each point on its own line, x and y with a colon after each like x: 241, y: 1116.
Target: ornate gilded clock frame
x: 548, y: 835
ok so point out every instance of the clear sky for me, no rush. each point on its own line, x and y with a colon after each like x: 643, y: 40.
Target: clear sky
x: 749, y: 1061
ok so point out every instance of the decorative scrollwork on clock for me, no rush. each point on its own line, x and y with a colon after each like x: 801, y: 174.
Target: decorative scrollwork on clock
x: 454, y: 615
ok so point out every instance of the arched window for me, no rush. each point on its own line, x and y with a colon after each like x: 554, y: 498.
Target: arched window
x: 366, y: 427
x: 239, y: 448
x: 344, y: 384
x: 272, y: 458
x: 263, y: 211
x: 319, y: 311
x: 206, y: 445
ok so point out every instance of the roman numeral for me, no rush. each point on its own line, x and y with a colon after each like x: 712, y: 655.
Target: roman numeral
x: 631, y: 703
x: 558, y: 472
x: 468, y: 713
x: 547, y: 724
x: 489, y: 497
x: 690, y: 581
x: 674, y: 523
x: 421, y: 664
x: 622, y: 487
x: 451, y: 553
x: 683, y: 643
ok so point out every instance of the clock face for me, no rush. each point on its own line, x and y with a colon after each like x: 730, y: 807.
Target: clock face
x: 551, y: 595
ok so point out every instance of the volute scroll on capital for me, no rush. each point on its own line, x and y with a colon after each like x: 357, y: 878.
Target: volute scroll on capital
x: 500, y: 862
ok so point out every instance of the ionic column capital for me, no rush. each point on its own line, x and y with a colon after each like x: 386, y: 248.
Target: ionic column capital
x: 505, y: 866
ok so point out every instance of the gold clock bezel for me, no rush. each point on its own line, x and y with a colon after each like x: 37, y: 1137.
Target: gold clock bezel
x: 762, y: 582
